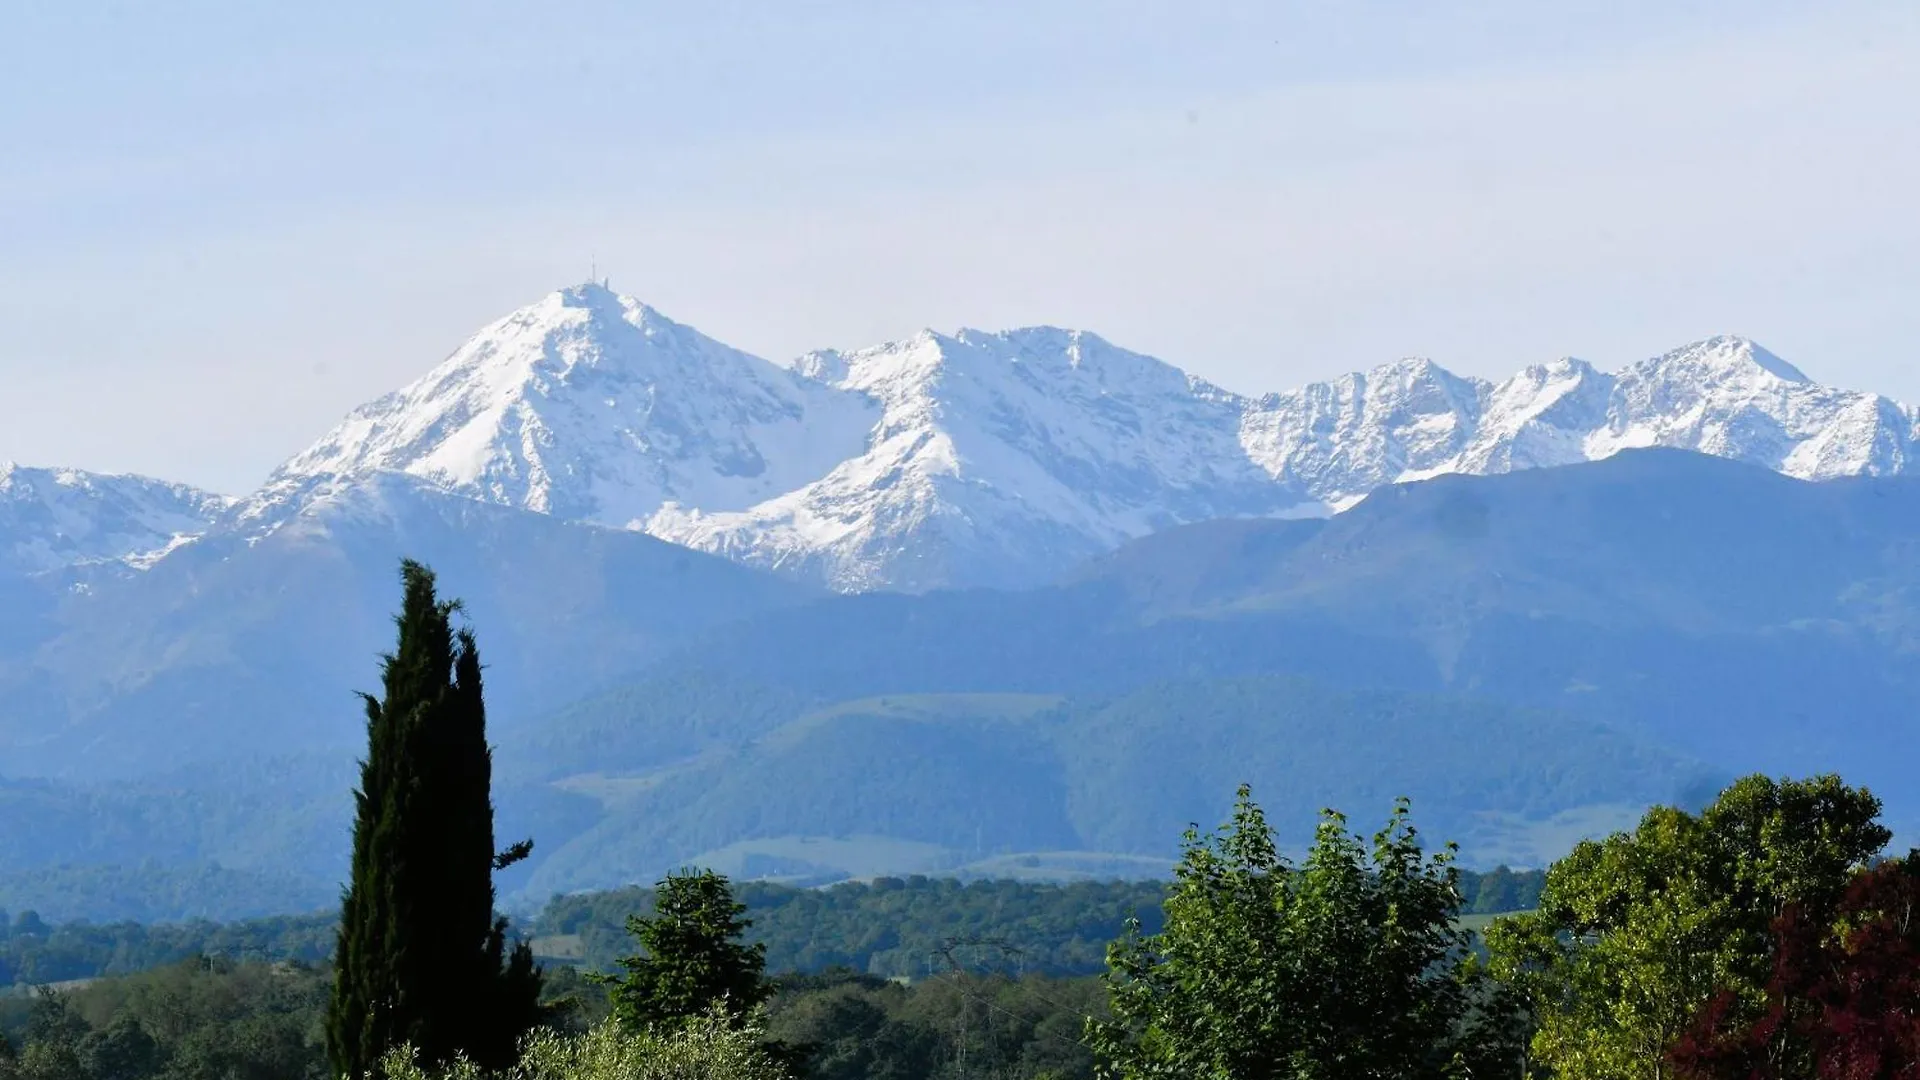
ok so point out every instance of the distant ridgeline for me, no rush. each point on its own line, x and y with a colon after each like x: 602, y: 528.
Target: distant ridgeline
x: 888, y: 927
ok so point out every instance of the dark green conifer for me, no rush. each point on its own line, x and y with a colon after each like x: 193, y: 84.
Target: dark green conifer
x: 692, y: 957
x: 421, y: 957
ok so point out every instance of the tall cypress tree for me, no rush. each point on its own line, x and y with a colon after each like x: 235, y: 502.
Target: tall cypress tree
x: 421, y: 958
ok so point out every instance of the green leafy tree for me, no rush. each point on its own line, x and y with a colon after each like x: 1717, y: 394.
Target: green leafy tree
x: 692, y: 959
x: 850, y: 1032
x: 51, y: 1061
x: 712, y: 1046
x: 123, y: 1050
x: 1635, y: 934
x: 1347, y: 966
x: 421, y: 957
x: 53, y: 1035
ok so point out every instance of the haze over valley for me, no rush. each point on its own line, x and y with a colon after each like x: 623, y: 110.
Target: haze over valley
x: 975, y: 602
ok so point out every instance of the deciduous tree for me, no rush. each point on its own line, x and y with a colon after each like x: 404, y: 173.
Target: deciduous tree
x: 1844, y: 999
x: 1637, y: 933
x: 1345, y: 967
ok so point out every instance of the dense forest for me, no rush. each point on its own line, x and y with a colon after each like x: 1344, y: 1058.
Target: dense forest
x: 33, y: 953
x: 890, y: 927
x: 904, y: 927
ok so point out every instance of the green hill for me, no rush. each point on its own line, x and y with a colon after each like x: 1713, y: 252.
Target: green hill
x: 940, y: 783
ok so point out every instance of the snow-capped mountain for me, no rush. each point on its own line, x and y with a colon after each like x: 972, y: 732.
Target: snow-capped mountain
x: 1001, y: 458
x: 1724, y: 396
x: 1336, y: 441
x: 998, y: 459
x: 592, y: 407
x: 56, y: 518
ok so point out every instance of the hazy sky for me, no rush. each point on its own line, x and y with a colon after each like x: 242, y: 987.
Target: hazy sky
x: 224, y: 224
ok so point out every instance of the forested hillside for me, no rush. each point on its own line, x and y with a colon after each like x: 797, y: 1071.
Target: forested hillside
x: 1533, y: 658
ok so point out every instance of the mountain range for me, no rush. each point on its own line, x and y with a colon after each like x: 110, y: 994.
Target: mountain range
x: 971, y: 459
x: 51, y: 519
x: 1020, y: 603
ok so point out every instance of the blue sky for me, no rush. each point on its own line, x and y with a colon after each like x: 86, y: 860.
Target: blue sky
x: 224, y: 224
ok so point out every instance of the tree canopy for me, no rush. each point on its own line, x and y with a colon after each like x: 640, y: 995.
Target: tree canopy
x: 1347, y: 966
x: 1636, y: 933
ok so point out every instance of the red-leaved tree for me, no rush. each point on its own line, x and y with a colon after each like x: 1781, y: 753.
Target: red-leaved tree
x: 1844, y: 999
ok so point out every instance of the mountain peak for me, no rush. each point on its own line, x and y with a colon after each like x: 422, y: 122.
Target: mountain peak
x: 600, y: 297
x: 1411, y: 375
x: 1565, y: 365
x: 1409, y: 365
x: 1728, y: 355
x: 589, y: 405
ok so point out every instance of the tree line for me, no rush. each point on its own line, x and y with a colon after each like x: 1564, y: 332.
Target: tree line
x: 1766, y: 937
x: 890, y: 927
x: 895, y: 927
x: 32, y: 952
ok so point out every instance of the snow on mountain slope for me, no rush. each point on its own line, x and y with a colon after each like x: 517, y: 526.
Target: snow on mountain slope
x: 1340, y: 440
x: 1724, y: 396
x: 55, y: 518
x: 998, y: 459
x: 1731, y: 398
x: 1002, y: 458
x: 592, y: 407
x: 1539, y: 418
